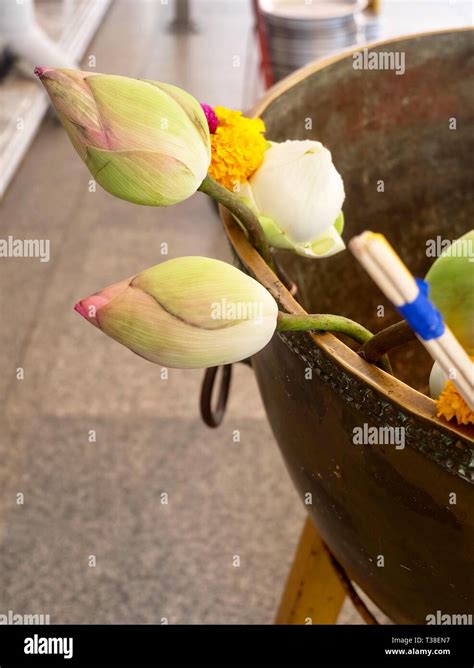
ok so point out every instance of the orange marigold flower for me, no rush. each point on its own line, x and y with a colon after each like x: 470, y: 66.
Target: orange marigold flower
x: 238, y: 146
x: 450, y: 404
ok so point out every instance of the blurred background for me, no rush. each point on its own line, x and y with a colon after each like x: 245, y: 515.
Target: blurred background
x: 117, y: 505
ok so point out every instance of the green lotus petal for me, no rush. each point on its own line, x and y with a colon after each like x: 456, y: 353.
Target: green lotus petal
x: 191, y: 106
x: 451, y: 281
x: 163, y: 339
x: 142, y: 177
x: 71, y: 96
x: 139, y: 115
x: 188, y: 286
x: 274, y: 235
x: 327, y: 244
x: 76, y: 107
x: 190, y: 312
x: 339, y: 223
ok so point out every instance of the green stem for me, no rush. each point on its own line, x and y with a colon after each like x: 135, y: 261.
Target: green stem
x: 245, y: 215
x: 324, y: 322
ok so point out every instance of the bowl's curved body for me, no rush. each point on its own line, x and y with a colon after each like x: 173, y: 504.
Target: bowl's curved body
x: 400, y: 520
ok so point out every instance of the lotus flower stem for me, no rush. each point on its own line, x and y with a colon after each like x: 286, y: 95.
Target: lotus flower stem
x: 247, y: 218
x: 388, y: 338
x: 324, y: 322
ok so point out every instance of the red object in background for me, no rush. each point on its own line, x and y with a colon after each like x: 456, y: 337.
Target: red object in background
x: 265, y: 64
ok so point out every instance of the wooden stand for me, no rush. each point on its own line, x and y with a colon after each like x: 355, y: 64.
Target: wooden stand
x: 313, y: 592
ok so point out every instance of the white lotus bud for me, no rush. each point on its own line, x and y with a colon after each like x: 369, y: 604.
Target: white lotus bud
x: 298, y: 195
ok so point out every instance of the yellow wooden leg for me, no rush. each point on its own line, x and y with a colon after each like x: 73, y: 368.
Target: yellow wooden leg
x: 313, y: 592
x: 374, y: 5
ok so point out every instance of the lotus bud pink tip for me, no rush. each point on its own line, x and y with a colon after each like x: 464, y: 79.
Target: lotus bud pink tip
x: 88, y: 309
x: 80, y: 309
x: 39, y: 71
x: 90, y: 306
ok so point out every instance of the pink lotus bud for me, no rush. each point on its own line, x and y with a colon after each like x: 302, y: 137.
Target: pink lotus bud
x: 144, y: 141
x: 189, y: 312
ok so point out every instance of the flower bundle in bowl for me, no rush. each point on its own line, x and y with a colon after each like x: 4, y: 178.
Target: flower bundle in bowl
x: 344, y: 379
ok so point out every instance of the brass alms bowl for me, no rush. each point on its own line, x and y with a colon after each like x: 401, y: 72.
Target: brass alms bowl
x: 400, y: 521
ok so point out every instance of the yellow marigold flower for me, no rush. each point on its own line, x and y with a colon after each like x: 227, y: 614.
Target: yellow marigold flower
x: 238, y: 146
x: 451, y: 405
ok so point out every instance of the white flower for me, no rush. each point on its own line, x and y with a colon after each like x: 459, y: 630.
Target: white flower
x: 438, y: 380
x: 298, y: 195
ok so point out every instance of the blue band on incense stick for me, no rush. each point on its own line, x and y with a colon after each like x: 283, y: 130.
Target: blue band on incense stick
x: 424, y: 319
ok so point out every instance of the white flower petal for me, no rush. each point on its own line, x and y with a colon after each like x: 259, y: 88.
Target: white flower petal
x: 438, y: 380
x: 298, y: 187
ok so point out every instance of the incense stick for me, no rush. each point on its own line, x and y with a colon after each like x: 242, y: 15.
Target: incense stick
x: 409, y: 296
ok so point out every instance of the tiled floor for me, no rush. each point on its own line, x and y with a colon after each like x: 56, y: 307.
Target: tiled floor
x: 103, y: 498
